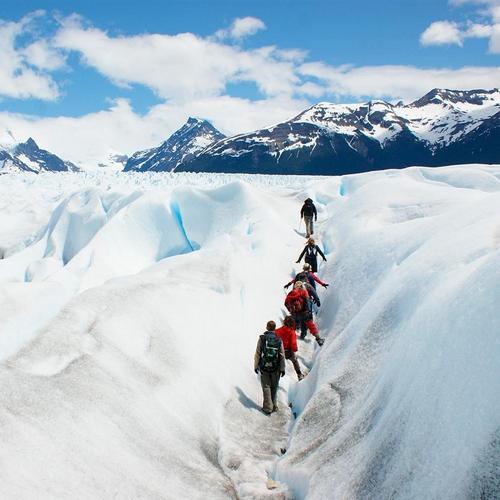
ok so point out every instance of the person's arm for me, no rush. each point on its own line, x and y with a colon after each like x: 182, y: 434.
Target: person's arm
x: 256, y: 358
x: 320, y: 252
x: 301, y: 255
x: 317, y: 280
x: 302, y: 212
x: 289, y: 283
x: 293, y: 338
x: 282, y: 359
x: 315, y: 212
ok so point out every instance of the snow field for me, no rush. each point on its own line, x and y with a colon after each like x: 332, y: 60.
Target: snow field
x: 402, y: 401
x: 126, y: 382
x: 132, y: 318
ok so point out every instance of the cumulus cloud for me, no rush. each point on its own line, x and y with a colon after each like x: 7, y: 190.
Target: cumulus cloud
x: 179, y: 67
x: 398, y: 82
x: 43, y: 56
x: 441, y: 33
x: 241, y: 27
x: 23, y: 68
x: 450, y: 32
x: 87, y: 140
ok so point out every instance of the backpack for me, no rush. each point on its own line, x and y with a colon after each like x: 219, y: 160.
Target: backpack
x: 270, y: 346
x: 304, y: 277
x: 308, y: 208
x: 295, y: 303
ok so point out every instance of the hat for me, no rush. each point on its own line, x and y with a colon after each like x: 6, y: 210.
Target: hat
x: 310, y: 240
x: 297, y: 284
x: 306, y: 266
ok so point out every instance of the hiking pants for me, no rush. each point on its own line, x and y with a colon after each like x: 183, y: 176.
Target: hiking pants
x: 314, y: 263
x: 289, y: 354
x: 269, y: 382
x: 304, y: 324
x: 308, y: 220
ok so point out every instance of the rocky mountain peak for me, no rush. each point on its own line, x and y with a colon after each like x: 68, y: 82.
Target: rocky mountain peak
x: 452, y: 97
x: 188, y: 141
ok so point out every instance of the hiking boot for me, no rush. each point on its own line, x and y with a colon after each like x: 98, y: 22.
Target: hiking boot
x: 275, y: 408
x: 320, y: 341
x: 303, y: 335
x: 300, y: 376
x: 265, y: 412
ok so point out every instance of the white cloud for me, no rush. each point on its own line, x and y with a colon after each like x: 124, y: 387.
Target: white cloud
x: 450, y: 32
x: 245, y: 26
x: 179, y: 67
x: 22, y: 72
x: 43, y: 56
x: 441, y: 33
x: 241, y: 27
x: 398, y: 82
x: 88, y: 139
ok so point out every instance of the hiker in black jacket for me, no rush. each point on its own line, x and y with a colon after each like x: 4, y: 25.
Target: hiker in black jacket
x: 307, y: 213
x: 311, y: 251
x: 269, y: 360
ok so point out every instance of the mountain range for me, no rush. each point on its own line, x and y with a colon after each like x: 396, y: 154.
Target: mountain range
x: 28, y: 157
x: 443, y: 127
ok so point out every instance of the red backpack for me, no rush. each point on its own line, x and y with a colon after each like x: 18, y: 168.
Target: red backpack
x: 296, y: 301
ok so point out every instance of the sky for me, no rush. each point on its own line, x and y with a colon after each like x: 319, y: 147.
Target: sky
x: 88, y: 78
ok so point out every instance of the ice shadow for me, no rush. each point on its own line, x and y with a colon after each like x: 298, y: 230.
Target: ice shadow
x: 246, y: 401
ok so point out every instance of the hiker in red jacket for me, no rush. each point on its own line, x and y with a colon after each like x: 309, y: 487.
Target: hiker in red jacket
x: 297, y: 303
x: 289, y: 338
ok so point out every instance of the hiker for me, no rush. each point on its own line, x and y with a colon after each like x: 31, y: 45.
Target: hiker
x: 311, y: 251
x: 307, y: 213
x: 289, y: 338
x: 307, y: 276
x: 297, y: 303
x: 269, y: 360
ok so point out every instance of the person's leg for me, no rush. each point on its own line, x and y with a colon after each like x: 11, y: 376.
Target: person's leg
x: 311, y: 326
x: 311, y: 226
x: 275, y: 381
x: 315, y: 332
x: 303, y: 328
x: 314, y: 265
x: 266, y: 383
x: 295, y: 362
x: 308, y: 222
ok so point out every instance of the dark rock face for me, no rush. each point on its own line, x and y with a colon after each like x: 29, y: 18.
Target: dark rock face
x: 194, y: 136
x: 28, y: 157
x: 44, y: 160
x: 443, y: 127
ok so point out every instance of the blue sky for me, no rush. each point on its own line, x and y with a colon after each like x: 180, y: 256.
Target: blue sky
x: 139, y: 69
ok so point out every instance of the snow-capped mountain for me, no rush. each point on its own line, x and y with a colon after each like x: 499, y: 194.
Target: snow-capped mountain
x: 28, y: 157
x: 192, y: 138
x: 443, y: 127
x: 114, y: 161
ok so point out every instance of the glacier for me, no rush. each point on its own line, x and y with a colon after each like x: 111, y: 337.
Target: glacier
x: 132, y: 304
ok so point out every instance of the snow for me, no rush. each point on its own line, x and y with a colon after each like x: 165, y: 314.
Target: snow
x: 437, y: 123
x: 27, y: 161
x: 132, y: 304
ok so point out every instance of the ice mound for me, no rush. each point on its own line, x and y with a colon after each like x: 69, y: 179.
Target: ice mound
x: 402, y: 402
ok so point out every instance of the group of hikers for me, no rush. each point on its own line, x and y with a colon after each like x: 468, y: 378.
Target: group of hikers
x: 276, y: 345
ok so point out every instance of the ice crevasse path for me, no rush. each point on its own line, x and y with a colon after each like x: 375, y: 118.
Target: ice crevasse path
x: 131, y: 307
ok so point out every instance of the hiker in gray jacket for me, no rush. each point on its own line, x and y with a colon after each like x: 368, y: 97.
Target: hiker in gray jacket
x: 269, y: 360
